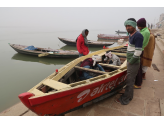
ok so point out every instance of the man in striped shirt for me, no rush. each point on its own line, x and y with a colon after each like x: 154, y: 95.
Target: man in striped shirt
x: 134, y: 51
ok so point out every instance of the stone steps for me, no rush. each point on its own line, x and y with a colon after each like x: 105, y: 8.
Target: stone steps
x: 162, y: 41
x: 160, y: 45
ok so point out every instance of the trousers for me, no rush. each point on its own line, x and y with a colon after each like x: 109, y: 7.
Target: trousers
x: 132, y: 71
x: 86, y: 75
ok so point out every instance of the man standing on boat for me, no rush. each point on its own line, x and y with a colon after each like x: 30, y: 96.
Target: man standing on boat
x: 82, y: 43
x: 134, y: 51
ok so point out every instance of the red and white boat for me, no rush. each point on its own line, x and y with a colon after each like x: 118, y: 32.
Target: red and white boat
x: 111, y: 37
x: 62, y: 91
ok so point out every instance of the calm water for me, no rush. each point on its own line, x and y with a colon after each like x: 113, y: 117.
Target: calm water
x: 18, y: 72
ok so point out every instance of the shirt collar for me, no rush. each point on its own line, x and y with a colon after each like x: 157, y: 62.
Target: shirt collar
x: 133, y: 34
x: 144, y: 29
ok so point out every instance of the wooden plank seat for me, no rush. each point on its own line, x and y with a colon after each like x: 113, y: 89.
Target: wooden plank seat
x: 37, y: 92
x: 55, y: 84
x: 116, y: 53
x: 118, y: 50
x: 90, y: 70
x: 121, y: 51
x: 110, y: 66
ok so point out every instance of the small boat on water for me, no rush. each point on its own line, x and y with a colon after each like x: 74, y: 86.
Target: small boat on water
x: 46, y: 52
x: 63, y: 92
x: 72, y: 42
x: 122, y: 32
x: 111, y: 37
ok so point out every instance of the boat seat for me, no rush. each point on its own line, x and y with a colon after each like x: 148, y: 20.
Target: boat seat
x: 110, y: 66
x: 90, y: 70
x: 55, y: 84
x: 37, y: 92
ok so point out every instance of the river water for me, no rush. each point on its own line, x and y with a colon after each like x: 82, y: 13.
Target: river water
x: 19, y: 72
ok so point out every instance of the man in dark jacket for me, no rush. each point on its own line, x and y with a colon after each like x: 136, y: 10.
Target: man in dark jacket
x: 134, y: 51
x: 82, y: 43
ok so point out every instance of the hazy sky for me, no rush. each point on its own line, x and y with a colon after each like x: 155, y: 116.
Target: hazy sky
x: 75, y: 18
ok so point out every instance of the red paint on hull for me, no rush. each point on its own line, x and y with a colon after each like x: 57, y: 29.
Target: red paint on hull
x: 24, y: 97
x: 58, y: 103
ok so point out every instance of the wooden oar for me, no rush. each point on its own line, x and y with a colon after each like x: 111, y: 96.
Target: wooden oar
x: 43, y: 54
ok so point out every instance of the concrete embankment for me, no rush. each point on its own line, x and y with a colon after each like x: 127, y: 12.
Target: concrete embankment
x: 147, y: 101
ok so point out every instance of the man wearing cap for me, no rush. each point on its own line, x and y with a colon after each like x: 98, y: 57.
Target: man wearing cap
x: 148, y: 55
x: 90, y: 63
x: 82, y: 43
x: 141, y: 24
x: 134, y: 51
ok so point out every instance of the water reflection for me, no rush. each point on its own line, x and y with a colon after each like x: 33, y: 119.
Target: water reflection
x: 43, y: 60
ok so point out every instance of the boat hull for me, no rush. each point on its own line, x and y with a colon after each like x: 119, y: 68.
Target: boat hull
x: 97, y: 44
x: 29, y: 52
x: 69, y: 100
x: 106, y: 37
x: 111, y: 38
x: 122, y: 32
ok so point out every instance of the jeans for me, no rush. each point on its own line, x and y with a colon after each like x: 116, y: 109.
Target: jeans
x: 101, y: 68
x: 80, y: 55
x: 86, y: 74
x: 132, y: 70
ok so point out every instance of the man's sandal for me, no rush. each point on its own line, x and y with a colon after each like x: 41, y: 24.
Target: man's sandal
x: 137, y: 87
x: 117, y: 101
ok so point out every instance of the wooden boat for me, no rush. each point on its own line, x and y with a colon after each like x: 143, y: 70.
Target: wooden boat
x: 63, y: 92
x: 47, y: 52
x: 122, y: 32
x: 111, y: 37
x: 72, y: 42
